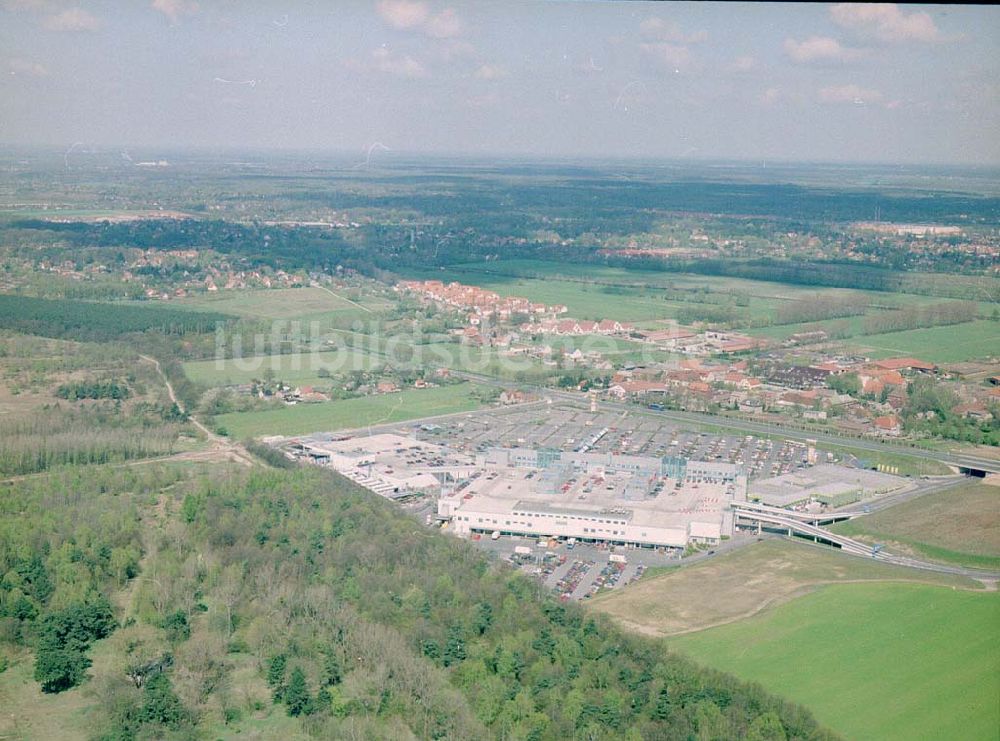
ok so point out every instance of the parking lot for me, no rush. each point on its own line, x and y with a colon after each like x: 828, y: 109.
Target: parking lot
x: 581, y: 571
x: 568, y: 428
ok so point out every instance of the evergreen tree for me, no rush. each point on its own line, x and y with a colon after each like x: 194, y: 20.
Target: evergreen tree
x: 484, y: 617
x: 276, y: 677
x: 454, y: 649
x: 297, y: 699
x: 661, y: 711
x: 331, y: 670
x: 161, y: 704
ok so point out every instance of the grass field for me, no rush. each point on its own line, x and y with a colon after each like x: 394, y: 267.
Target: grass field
x: 294, y: 368
x: 738, y: 584
x: 598, y: 292
x: 351, y: 413
x: 960, y: 526
x: 29, y: 713
x: 303, y: 304
x: 893, y: 662
x: 979, y: 339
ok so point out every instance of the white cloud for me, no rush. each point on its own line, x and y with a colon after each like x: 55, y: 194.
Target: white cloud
x: 849, y: 94
x: 885, y: 21
x: 669, y: 55
x: 657, y: 29
x: 398, y: 65
x: 744, y: 64
x: 490, y: 72
x: 174, y: 9
x: 403, y: 13
x: 73, y: 19
x: 415, y: 15
x: 487, y: 100
x: 770, y: 96
x: 819, y: 49
x: 444, y: 25
x: 15, y: 6
x: 451, y: 50
x: 20, y: 66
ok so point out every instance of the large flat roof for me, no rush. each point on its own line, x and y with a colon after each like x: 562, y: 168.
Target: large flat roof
x: 617, y: 513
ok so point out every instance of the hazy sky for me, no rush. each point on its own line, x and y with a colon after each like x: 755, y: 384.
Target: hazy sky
x: 882, y: 83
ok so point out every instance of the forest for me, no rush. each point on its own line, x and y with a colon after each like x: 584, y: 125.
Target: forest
x: 58, y: 436
x: 62, y: 318
x: 220, y: 598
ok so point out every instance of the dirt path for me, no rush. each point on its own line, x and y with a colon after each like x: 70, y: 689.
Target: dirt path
x: 342, y: 298
x: 220, y: 445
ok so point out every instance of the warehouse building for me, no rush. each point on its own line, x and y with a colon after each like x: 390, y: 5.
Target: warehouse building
x: 829, y: 484
x: 596, y: 497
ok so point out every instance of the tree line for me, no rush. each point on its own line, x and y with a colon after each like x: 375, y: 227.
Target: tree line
x: 93, y: 390
x: 917, y: 317
x: 818, y: 307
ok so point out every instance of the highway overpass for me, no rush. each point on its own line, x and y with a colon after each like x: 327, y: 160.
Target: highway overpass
x: 792, y: 522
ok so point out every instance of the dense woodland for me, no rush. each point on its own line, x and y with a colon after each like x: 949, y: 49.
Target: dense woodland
x: 98, y: 321
x: 238, y: 594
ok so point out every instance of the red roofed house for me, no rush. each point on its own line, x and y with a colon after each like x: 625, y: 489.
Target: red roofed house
x: 905, y: 364
x: 888, y: 425
x: 873, y: 386
x: 974, y: 410
x: 637, y: 388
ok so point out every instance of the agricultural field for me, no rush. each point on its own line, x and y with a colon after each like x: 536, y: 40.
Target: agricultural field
x: 598, y: 292
x: 299, y: 368
x: 894, y: 662
x: 303, y: 304
x: 951, y: 344
x: 303, y: 368
x: 959, y: 526
x: 742, y: 583
x: 351, y: 413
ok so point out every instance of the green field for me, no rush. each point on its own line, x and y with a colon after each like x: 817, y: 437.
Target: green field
x: 303, y: 304
x: 293, y: 368
x: 351, y: 413
x: 893, y: 662
x: 960, y: 525
x: 780, y: 332
x: 952, y: 344
x: 599, y: 292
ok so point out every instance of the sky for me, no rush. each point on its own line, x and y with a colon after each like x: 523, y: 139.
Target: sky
x: 879, y: 83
